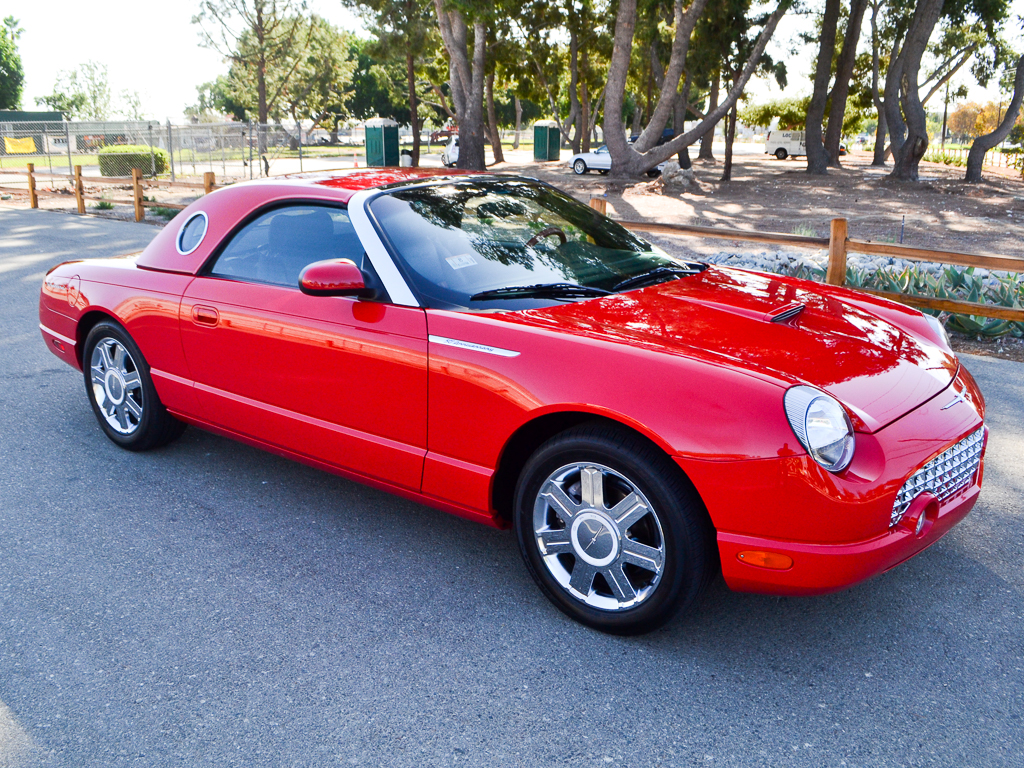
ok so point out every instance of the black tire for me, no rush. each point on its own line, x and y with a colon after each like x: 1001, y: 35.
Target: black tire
x: 603, y: 172
x: 653, y: 173
x: 675, y: 517
x: 579, y: 167
x: 781, y: 153
x: 142, y: 422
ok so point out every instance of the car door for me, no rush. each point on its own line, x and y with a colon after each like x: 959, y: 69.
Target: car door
x: 335, y: 379
x: 601, y: 159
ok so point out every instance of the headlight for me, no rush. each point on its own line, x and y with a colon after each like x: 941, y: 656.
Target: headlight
x: 939, y: 329
x: 821, y: 425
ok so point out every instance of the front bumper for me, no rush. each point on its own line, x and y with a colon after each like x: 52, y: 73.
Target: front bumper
x: 833, y: 530
x: 821, y: 568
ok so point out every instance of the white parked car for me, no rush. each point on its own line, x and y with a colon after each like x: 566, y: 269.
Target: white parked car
x: 450, y: 153
x: 600, y: 160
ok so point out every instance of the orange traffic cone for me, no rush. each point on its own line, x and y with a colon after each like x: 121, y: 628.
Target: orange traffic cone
x: 355, y: 159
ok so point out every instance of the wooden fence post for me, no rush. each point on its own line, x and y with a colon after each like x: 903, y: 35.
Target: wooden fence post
x: 79, y: 189
x: 140, y: 211
x: 209, y: 181
x: 33, y: 198
x: 836, y: 274
x: 600, y: 205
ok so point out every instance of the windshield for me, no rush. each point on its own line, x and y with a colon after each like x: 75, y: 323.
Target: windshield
x: 462, y: 241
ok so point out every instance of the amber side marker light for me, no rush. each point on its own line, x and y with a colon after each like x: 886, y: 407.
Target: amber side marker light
x: 772, y: 560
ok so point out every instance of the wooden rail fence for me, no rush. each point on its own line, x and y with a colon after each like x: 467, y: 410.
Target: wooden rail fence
x: 138, y: 198
x: 839, y: 244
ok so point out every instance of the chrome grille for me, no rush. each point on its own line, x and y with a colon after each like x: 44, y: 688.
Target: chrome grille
x: 944, y: 475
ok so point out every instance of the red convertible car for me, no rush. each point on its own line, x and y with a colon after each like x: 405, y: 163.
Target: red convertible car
x: 491, y: 347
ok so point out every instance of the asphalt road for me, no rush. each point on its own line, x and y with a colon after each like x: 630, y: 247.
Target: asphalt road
x: 209, y: 604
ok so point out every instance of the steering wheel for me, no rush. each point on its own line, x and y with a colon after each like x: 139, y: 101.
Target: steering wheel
x: 548, y: 232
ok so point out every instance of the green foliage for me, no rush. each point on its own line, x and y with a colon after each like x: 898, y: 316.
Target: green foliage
x: 119, y: 160
x: 791, y: 112
x: 954, y: 283
x: 12, y: 76
x: 946, y: 158
x: 80, y: 94
x: 104, y: 205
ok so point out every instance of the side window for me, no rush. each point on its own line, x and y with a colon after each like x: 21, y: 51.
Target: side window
x: 275, y: 247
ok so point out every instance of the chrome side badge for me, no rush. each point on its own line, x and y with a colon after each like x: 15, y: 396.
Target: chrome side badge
x: 958, y: 399
x: 473, y: 347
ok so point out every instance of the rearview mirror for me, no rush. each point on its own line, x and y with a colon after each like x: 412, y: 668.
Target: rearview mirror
x: 334, y: 277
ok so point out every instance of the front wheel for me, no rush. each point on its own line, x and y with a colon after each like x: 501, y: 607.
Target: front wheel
x: 611, y: 530
x: 121, y: 391
x: 579, y: 167
x: 781, y: 153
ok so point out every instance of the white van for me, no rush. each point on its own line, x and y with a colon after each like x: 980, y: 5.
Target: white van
x: 784, y: 144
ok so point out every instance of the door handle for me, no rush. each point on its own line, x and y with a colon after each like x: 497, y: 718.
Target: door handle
x: 205, y: 315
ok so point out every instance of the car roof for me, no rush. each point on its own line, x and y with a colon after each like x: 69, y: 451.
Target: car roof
x: 348, y: 182
x: 229, y: 205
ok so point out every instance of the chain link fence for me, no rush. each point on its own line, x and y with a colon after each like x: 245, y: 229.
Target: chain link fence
x: 233, y: 151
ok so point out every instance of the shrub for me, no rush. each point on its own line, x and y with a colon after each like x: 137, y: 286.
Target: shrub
x: 119, y: 160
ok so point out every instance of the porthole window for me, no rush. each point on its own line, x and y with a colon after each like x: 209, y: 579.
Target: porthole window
x: 192, y: 233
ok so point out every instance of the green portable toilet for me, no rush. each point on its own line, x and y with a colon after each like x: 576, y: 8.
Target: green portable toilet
x: 546, y: 140
x: 381, y: 142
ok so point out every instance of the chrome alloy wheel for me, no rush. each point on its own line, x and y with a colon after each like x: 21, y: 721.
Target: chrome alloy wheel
x: 116, y: 386
x: 598, y: 536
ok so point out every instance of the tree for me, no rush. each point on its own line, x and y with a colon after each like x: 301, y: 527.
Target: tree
x: 131, y: 106
x: 317, y: 87
x: 983, y: 144
x: 817, y: 159
x: 791, y: 113
x: 963, y: 119
x: 403, y: 29
x: 904, y: 104
x: 467, y: 75
x: 633, y: 160
x: 80, y: 94
x: 252, y: 34
x: 12, y: 76
x: 841, y: 89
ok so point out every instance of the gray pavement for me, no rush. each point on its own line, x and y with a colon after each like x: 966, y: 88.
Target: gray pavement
x: 210, y: 604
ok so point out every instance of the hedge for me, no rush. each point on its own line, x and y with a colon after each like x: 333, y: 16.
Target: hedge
x: 119, y: 160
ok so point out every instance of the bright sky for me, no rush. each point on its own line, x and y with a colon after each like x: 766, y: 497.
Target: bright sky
x: 166, y: 63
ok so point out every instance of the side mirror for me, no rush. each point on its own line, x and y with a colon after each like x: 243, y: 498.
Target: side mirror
x: 334, y: 277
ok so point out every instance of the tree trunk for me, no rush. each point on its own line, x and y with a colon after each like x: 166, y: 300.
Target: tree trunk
x: 983, y: 144
x: 907, y: 157
x: 584, y: 118
x: 519, y: 121
x: 817, y: 158
x: 841, y: 89
x: 414, y: 117
x: 574, y: 95
x: 467, y: 81
x: 492, y: 122
x: 880, y: 131
x: 679, y: 121
x: 708, y: 139
x: 730, y: 135
x: 627, y: 161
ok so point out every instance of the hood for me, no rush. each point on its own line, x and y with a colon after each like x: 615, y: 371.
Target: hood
x: 873, y: 356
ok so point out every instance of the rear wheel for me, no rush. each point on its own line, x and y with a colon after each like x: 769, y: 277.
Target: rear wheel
x: 611, y: 530
x: 579, y: 167
x: 121, y: 391
x: 781, y: 153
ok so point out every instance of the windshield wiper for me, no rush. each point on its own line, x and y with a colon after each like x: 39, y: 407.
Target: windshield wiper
x: 558, y: 290
x: 658, y: 275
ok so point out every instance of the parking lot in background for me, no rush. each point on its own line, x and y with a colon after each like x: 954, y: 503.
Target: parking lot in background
x: 211, y: 604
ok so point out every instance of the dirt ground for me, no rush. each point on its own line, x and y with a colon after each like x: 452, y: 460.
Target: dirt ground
x: 941, y: 211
